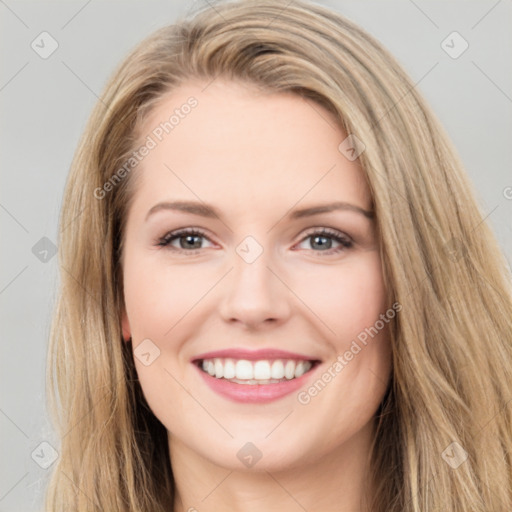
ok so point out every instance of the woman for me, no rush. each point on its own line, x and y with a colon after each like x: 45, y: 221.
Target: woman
x: 205, y: 355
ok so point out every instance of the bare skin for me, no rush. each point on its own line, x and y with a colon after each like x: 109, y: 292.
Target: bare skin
x: 256, y: 157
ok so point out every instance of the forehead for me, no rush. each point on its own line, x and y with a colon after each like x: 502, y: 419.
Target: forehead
x: 242, y: 148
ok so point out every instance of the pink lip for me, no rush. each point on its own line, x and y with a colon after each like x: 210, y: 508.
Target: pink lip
x: 256, y: 394
x: 253, y: 355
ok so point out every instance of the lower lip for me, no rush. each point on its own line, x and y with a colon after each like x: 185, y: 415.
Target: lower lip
x: 253, y: 393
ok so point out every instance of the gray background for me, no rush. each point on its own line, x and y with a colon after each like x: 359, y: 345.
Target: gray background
x: 44, y: 107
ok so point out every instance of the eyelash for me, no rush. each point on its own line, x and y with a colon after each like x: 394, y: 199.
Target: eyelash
x: 344, y: 241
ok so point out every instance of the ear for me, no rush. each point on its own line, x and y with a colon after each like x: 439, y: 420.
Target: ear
x: 127, y: 334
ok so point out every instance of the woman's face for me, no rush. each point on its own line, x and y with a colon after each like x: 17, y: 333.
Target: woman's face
x: 259, y: 332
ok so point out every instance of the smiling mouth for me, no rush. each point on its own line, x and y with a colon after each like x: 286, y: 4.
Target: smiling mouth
x: 243, y: 371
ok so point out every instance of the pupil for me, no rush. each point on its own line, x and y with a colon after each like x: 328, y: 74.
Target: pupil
x: 190, y: 239
x: 323, y: 238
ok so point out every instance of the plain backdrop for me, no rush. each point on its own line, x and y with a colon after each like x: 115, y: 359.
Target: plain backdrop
x: 45, y: 103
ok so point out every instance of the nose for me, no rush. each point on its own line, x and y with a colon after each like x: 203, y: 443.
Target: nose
x: 255, y: 295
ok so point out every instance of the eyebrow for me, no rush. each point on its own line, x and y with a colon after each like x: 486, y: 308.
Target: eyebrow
x: 206, y: 210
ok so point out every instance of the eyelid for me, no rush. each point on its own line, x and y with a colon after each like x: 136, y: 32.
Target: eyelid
x: 325, y: 230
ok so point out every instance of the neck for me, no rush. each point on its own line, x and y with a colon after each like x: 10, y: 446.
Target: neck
x: 336, y: 481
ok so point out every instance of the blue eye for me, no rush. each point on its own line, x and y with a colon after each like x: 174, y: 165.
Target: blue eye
x: 188, y: 240
x: 191, y: 240
x: 323, y: 239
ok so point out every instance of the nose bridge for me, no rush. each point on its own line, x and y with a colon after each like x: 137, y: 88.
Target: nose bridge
x: 254, y: 294
x: 252, y: 276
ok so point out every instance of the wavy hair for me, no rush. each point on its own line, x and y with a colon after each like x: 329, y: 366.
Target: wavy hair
x: 452, y: 349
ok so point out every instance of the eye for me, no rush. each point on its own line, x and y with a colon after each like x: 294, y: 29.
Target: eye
x: 322, y: 239
x: 189, y: 240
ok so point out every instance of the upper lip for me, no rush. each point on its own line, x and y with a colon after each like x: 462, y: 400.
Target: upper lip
x: 253, y: 355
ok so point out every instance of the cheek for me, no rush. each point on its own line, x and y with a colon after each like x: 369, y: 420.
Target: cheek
x: 157, y: 295
x: 347, y: 298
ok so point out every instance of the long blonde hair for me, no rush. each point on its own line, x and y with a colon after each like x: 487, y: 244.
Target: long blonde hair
x: 452, y: 346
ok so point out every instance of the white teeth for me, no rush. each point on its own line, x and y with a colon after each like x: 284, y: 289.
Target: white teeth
x: 302, y: 367
x: 299, y: 369
x: 307, y: 366
x: 243, y: 371
x: 277, y: 371
x: 262, y: 370
x: 229, y: 369
x: 289, y: 370
x: 219, y: 368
